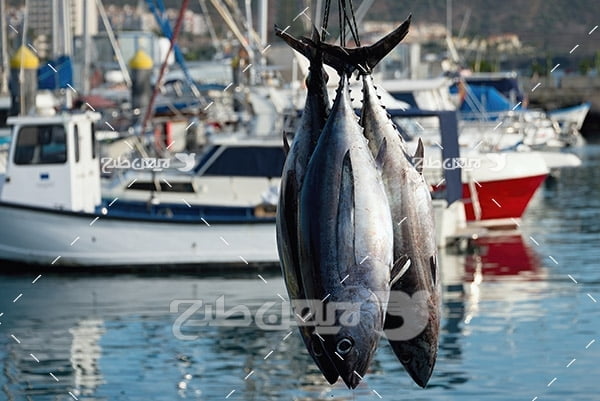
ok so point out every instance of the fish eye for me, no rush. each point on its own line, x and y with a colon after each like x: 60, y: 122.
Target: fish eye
x: 344, y: 346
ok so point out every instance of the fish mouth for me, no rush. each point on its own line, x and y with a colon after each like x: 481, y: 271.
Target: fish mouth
x: 420, y: 369
x: 327, y: 368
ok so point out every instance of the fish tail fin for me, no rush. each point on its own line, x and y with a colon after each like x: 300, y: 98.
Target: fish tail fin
x: 364, y: 58
x: 376, y: 52
x: 307, y: 50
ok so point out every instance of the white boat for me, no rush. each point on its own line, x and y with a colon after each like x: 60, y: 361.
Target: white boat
x: 496, y: 187
x: 243, y: 172
x: 500, y: 129
x: 52, y: 212
x: 574, y: 115
x: 570, y: 120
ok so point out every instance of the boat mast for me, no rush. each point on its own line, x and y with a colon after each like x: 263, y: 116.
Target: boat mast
x: 4, y: 45
x: 163, y: 67
x: 55, y: 25
x: 263, y: 15
x: 232, y: 25
x: 211, y: 27
x: 114, y: 43
x: 85, y: 74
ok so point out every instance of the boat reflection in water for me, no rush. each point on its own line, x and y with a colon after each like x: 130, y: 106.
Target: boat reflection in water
x: 119, y: 343
x: 505, y: 261
x: 497, y: 257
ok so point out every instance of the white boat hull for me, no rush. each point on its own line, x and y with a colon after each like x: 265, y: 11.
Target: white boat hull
x: 42, y: 236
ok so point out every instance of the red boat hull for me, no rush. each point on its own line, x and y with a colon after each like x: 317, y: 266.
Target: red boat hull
x: 502, y: 199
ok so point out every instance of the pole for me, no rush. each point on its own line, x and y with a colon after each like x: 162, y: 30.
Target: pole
x: 163, y: 67
x: 4, y: 45
x: 263, y: 11
x: 114, y: 43
x: 448, y: 19
x: 22, y: 103
x: 250, y: 29
x: 67, y: 43
x: 55, y: 25
x: 211, y: 27
x: 85, y: 74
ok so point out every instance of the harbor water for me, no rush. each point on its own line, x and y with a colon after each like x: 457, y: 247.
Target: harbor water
x: 521, y: 320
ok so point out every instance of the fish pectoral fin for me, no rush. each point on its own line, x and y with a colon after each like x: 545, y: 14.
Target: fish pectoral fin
x: 380, y: 159
x: 346, y: 231
x: 286, y: 144
x: 434, y: 268
x: 399, y: 269
x: 417, y: 159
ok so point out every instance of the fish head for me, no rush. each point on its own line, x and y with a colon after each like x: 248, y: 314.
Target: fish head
x: 358, y: 327
x: 412, y: 322
x: 412, y: 328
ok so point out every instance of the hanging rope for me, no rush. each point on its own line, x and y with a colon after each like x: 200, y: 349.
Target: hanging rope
x: 347, y: 19
x: 325, y: 19
x: 355, y: 34
x: 341, y: 15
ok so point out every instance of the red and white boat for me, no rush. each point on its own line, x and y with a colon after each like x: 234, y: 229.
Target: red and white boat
x: 497, y: 186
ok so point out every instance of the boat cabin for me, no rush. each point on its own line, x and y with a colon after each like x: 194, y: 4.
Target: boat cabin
x: 53, y: 163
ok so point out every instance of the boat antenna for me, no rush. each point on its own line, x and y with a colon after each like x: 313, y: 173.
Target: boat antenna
x: 163, y: 67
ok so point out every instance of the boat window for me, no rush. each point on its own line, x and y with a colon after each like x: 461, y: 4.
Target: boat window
x: 76, y: 142
x: 42, y: 144
x: 94, y: 144
x: 142, y: 186
x: 177, y: 187
x: 248, y: 161
x: 164, y: 187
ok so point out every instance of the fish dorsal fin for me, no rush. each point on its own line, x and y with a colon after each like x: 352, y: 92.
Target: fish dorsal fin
x: 286, y: 144
x: 418, y: 157
x: 380, y: 159
x: 399, y: 269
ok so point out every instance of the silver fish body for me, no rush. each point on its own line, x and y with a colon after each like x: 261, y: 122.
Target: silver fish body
x: 305, y: 139
x: 346, y: 241
x: 413, y: 318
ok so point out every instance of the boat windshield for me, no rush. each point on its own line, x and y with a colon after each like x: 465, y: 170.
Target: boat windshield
x: 41, y: 144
